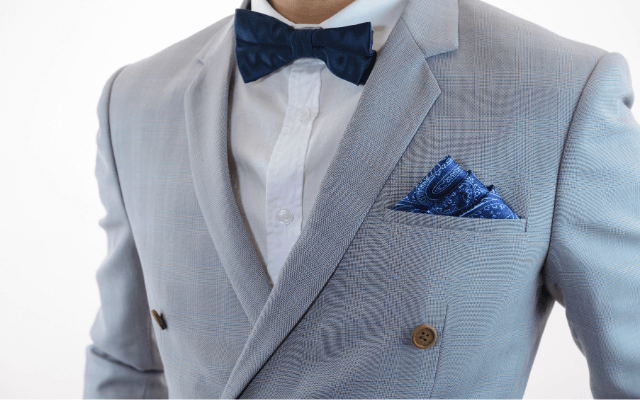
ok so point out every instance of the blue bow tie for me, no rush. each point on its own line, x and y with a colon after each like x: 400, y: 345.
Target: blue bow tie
x: 264, y: 44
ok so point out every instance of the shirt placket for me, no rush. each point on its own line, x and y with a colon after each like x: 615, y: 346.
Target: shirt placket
x: 285, y: 174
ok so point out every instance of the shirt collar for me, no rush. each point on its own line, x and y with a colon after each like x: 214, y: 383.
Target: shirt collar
x: 383, y: 15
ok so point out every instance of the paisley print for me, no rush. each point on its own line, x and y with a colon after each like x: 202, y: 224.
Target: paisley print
x: 450, y: 190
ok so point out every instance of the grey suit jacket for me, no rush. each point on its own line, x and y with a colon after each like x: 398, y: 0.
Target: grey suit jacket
x: 545, y: 119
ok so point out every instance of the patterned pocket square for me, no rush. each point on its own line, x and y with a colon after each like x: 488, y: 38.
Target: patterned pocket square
x: 450, y: 190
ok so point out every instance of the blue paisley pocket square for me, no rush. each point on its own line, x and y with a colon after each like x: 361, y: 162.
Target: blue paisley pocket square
x: 450, y: 190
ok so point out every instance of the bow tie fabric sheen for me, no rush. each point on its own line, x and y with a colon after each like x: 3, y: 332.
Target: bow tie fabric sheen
x: 450, y: 190
x: 265, y: 44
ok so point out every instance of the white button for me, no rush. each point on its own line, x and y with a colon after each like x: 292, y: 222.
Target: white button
x: 285, y: 216
x: 303, y: 113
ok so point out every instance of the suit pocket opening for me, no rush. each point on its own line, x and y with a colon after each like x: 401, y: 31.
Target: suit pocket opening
x: 447, y: 222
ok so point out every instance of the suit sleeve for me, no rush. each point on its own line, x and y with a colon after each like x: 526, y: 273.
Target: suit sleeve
x: 123, y: 361
x: 593, y: 263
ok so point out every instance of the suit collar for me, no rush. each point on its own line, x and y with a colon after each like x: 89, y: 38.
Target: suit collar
x: 396, y: 99
x: 433, y: 25
x: 219, y: 40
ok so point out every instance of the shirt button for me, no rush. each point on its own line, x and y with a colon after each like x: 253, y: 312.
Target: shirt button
x: 423, y: 336
x: 285, y: 216
x: 303, y: 113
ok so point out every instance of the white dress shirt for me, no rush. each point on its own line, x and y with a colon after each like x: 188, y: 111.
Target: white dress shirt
x: 285, y: 129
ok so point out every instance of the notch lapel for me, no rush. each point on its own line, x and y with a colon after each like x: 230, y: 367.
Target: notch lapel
x: 396, y: 99
x: 206, y: 109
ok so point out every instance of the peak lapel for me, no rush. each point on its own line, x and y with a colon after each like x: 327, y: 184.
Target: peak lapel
x: 206, y: 108
x: 394, y: 102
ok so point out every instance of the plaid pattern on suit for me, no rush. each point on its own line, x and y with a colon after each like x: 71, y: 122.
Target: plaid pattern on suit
x: 545, y: 119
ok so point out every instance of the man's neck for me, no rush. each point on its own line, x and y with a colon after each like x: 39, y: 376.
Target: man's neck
x: 308, y: 11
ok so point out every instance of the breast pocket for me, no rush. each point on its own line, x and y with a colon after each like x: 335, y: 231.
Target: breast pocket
x: 456, y: 256
x: 453, y: 256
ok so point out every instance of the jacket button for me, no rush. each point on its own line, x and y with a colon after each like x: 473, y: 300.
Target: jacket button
x: 423, y: 336
x: 159, y: 319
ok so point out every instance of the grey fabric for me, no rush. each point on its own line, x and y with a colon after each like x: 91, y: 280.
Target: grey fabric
x: 545, y: 119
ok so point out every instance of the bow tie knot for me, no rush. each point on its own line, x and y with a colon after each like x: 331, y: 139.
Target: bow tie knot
x: 302, y: 43
x: 265, y: 44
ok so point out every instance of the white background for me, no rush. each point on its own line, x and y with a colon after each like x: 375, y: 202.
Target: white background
x: 55, y: 57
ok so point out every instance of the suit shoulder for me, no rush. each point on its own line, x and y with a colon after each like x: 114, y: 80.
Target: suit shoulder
x: 156, y: 85
x: 172, y: 60
x: 488, y: 25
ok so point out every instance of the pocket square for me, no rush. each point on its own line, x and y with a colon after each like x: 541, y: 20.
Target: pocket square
x: 450, y: 190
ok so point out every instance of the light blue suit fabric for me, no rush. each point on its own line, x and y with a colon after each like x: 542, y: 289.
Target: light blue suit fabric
x: 545, y: 119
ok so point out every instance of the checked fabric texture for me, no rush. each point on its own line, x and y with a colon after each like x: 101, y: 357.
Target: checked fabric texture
x: 545, y: 119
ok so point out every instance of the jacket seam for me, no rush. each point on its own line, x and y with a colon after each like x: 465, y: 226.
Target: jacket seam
x: 564, y: 148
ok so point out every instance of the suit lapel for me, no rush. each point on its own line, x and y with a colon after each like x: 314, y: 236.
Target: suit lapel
x: 396, y: 99
x: 206, y: 107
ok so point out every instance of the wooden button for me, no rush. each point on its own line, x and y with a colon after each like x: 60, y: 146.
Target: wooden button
x: 159, y: 319
x: 424, y: 336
